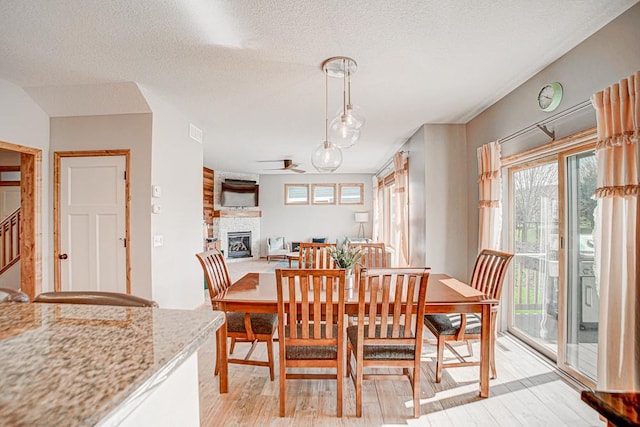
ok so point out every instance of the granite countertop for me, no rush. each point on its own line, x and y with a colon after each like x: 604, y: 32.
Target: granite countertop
x: 71, y: 365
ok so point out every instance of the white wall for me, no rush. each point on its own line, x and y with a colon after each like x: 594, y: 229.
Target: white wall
x: 437, y: 198
x: 177, y: 169
x: 302, y: 222
x: 124, y: 131
x: 611, y: 54
x: 11, y: 277
x: 9, y: 158
x: 23, y: 122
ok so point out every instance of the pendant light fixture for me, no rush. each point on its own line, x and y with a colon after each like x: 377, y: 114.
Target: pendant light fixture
x: 345, y: 127
x: 327, y: 157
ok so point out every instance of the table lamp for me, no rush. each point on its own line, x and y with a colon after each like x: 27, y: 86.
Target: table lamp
x: 362, y: 218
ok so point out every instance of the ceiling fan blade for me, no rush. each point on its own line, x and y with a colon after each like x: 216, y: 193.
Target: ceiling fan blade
x: 276, y: 169
x: 297, y: 170
x: 269, y: 161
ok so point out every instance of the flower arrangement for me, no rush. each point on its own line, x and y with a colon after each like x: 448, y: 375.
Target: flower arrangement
x: 345, y: 255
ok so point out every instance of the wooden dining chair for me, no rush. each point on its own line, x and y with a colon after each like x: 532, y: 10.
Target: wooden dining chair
x: 387, y: 333
x: 374, y: 255
x: 316, y: 255
x: 488, y: 276
x: 311, y: 326
x: 241, y: 327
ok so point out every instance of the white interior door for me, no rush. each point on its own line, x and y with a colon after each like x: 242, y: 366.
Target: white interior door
x: 92, y: 224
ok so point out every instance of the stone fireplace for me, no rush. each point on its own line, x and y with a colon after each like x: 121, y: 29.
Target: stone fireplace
x: 239, y: 244
x: 229, y: 220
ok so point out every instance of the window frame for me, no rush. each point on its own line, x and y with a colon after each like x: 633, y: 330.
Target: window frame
x: 360, y: 186
x: 288, y: 200
x: 314, y: 187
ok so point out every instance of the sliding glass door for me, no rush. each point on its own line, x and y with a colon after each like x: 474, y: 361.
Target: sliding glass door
x: 534, y: 230
x: 582, y: 302
x: 554, y: 304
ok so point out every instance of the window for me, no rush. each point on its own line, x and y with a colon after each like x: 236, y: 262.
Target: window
x: 351, y: 194
x: 296, y: 194
x: 323, y: 194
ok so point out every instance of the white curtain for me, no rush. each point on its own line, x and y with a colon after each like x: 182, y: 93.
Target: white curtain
x: 617, y: 242
x: 402, y: 210
x: 489, y: 182
x: 376, y: 210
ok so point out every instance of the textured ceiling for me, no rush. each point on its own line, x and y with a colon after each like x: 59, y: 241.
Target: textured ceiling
x: 248, y: 72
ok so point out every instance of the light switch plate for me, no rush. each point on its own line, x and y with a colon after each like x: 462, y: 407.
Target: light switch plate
x: 156, y: 191
x: 156, y: 209
x: 158, y: 240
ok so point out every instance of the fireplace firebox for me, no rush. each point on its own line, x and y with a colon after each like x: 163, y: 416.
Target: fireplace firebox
x: 239, y: 244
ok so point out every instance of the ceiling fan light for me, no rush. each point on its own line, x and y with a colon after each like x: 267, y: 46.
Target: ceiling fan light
x: 327, y: 157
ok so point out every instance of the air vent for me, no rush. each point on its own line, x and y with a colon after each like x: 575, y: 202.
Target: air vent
x: 195, y: 133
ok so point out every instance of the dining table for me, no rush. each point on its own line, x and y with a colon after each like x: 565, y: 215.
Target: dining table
x: 256, y: 293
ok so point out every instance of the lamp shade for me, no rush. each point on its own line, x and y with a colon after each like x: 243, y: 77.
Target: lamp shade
x: 362, y: 216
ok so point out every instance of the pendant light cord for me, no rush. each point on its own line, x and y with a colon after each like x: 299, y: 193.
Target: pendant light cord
x: 345, y: 66
x: 349, y: 88
x: 326, y: 106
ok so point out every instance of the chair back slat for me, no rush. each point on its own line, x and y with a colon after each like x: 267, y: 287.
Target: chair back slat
x: 316, y: 255
x: 384, y: 307
x: 400, y: 291
x: 489, y: 272
x: 373, y: 255
x: 373, y: 307
x: 304, y: 308
x: 216, y: 273
x: 410, y: 309
x: 293, y: 308
x: 397, y: 312
x: 314, y: 301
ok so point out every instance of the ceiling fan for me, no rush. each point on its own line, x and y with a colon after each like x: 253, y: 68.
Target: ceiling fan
x: 287, y: 165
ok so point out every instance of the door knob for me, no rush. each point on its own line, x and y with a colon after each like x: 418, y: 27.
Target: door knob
x: 63, y: 256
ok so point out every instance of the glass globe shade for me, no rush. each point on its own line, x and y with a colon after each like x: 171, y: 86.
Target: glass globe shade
x: 327, y: 157
x: 355, y: 116
x: 343, y: 132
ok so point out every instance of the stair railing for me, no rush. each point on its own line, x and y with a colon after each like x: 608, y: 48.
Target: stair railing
x: 10, y: 241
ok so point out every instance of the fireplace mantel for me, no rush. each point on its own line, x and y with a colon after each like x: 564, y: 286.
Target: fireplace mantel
x: 237, y: 213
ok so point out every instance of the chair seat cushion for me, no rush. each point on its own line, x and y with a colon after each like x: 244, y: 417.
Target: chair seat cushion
x: 381, y: 351
x: 261, y: 323
x: 306, y: 352
x: 449, y: 324
x: 278, y: 252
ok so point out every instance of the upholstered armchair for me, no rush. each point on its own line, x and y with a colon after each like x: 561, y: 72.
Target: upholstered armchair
x: 276, y: 248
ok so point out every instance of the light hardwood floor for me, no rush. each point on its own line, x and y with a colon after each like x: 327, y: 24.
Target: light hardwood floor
x: 527, y: 392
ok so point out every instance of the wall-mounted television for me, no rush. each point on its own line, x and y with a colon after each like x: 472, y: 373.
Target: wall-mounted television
x: 239, y: 193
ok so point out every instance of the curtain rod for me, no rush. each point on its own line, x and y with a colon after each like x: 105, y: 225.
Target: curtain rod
x: 541, y: 125
x: 388, y: 163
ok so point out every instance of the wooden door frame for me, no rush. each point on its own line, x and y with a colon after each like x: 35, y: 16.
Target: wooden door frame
x: 57, y: 157
x: 31, y: 217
